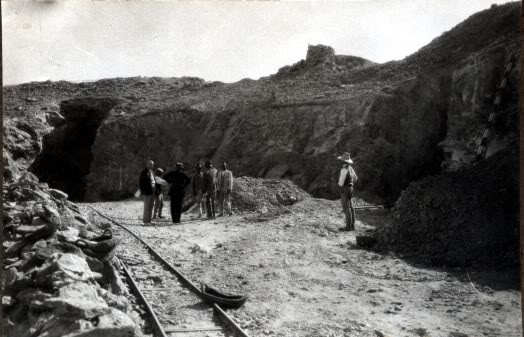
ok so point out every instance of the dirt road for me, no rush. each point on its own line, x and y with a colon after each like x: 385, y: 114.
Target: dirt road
x: 305, y: 278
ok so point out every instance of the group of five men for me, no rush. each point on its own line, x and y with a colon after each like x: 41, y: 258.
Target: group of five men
x: 204, y: 186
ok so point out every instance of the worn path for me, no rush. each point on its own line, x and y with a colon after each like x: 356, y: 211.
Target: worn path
x: 304, y: 278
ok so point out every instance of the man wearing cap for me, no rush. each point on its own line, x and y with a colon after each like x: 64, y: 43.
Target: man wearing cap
x: 147, y: 183
x: 197, y: 186
x: 159, y: 193
x: 347, y: 178
x: 210, y: 188
x: 225, y: 186
x: 179, y: 181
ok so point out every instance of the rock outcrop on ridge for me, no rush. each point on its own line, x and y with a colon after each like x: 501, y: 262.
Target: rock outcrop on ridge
x: 401, y: 121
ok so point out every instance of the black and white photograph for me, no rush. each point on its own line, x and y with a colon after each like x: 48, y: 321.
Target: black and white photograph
x: 261, y: 168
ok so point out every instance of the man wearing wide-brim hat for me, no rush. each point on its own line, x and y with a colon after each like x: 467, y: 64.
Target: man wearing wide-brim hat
x: 346, y: 180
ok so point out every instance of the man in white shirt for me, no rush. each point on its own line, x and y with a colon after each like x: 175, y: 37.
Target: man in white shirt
x: 147, y: 190
x: 225, y: 186
x: 347, y: 178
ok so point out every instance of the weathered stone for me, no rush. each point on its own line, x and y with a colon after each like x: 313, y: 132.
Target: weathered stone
x: 24, y: 229
x: 10, y: 276
x: 61, y: 269
x: 57, y: 193
x: 15, y: 249
x: 95, y: 264
x: 8, y: 301
x: 114, y: 301
x: 112, y: 277
x: 51, y: 215
x: 78, y: 300
x: 457, y: 334
x: 39, y: 245
x: 27, y: 296
x: 69, y: 235
x: 54, y: 118
x: 114, y: 324
x: 38, y: 221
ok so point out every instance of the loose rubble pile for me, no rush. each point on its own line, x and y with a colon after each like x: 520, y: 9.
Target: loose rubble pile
x: 60, y: 277
x: 252, y: 194
x: 461, y: 218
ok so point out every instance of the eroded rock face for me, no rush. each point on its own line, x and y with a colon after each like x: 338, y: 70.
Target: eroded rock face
x: 401, y: 120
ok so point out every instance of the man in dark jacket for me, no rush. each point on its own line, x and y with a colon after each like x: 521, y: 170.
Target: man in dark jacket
x: 147, y: 191
x: 210, y: 188
x: 179, y: 181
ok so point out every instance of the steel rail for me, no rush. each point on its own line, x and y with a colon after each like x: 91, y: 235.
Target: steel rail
x: 156, y: 323
x: 373, y: 206
x: 220, y: 312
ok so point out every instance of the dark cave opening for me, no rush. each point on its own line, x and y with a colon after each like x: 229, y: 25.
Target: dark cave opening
x: 65, y: 159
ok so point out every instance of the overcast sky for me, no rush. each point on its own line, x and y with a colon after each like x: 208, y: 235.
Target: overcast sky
x: 225, y: 41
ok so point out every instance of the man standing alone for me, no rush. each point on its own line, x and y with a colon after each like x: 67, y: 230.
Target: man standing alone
x: 147, y: 190
x: 345, y: 181
x: 210, y: 188
x: 179, y: 181
x: 225, y: 186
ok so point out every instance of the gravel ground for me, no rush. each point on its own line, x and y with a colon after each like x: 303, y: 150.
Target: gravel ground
x: 304, y: 278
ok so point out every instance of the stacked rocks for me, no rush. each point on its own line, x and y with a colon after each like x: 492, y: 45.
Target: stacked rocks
x: 60, y: 274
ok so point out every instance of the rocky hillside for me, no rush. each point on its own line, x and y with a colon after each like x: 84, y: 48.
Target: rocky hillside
x: 400, y: 120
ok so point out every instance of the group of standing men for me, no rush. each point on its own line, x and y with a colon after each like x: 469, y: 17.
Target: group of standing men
x: 204, y: 186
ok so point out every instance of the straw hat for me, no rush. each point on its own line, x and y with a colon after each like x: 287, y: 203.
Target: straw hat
x: 345, y: 158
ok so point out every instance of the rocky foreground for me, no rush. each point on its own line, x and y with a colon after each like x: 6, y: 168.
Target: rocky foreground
x: 61, y: 277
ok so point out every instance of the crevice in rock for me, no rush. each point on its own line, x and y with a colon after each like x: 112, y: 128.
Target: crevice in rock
x: 66, y: 156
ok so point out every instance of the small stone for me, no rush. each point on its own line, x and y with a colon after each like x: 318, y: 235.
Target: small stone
x: 457, y: 334
x: 379, y: 334
x: 8, y: 301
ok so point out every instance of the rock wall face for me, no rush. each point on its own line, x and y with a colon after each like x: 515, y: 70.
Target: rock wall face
x: 400, y: 121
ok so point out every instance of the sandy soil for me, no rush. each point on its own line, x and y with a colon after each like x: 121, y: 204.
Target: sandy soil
x: 305, y: 278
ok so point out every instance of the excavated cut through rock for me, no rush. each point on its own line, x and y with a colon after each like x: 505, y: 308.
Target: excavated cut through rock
x: 66, y: 154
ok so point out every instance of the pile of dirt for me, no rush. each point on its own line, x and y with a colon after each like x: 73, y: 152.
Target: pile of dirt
x: 252, y: 194
x: 54, y: 284
x: 463, y: 218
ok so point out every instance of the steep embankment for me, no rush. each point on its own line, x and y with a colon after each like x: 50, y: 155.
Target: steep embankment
x: 400, y: 120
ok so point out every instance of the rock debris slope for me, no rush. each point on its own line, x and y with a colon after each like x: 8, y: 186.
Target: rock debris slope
x: 51, y: 285
x: 401, y: 120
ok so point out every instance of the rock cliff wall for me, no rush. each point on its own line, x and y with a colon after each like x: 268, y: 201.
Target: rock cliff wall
x: 400, y: 120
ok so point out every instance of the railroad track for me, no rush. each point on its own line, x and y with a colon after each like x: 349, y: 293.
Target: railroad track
x: 171, y: 301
